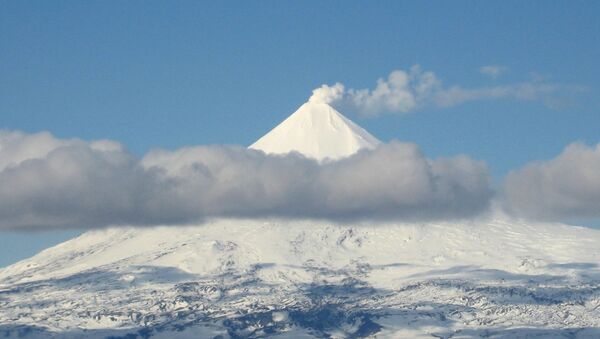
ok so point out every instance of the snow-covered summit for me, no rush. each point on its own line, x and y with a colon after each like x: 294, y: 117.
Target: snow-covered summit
x: 316, y: 130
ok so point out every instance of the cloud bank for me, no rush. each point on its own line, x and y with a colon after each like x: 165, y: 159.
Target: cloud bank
x: 48, y: 183
x: 566, y: 187
x: 405, y: 91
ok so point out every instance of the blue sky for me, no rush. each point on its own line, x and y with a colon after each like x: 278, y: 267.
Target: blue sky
x: 163, y: 74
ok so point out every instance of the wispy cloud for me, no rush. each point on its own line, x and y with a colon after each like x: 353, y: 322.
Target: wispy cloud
x: 493, y: 71
x: 48, y: 183
x: 525, y: 91
x: 405, y: 91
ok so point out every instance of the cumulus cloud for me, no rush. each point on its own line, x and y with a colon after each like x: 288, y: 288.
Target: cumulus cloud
x: 493, y: 70
x: 78, y: 184
x: 402, y: 92
x: 566, y: 187
x: 410, y: 90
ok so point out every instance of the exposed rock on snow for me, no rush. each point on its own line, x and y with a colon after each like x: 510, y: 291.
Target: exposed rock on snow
x: 241, y: 278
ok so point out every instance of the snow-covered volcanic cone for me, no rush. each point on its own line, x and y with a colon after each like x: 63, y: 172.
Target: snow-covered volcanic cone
x: 318, y: 131
x: 492, y: 277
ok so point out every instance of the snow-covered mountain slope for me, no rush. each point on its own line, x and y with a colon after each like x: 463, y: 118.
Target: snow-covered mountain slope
x: 493, y: 277
x: 316, y: 130
x: 487, y: 277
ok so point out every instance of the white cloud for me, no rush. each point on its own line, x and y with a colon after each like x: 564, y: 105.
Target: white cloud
x: 566, y: 187
x: 16, y: 147
x: 493, y: 70
x: 402, y: 91
x: 73, y: 183
x: 327, y: 94
x: 407, y: 91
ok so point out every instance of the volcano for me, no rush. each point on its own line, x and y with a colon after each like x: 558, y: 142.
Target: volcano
x: 492, y: 276
x: 317, y: 131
